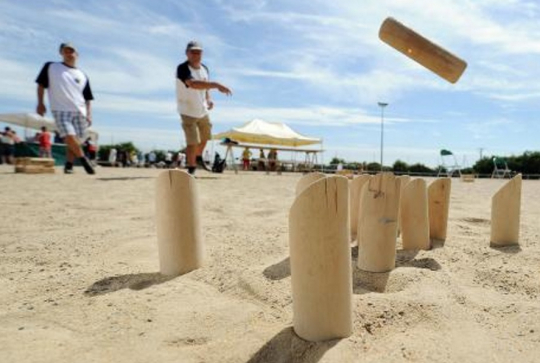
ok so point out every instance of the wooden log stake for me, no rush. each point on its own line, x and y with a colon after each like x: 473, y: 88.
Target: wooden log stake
x: 306, y: 180
x: 505, y: 214
x: 355, y: 189
x: 414, y: 216
x: 320, y: 261
x: 403, y: 181
x: 377, y: 223
x: 179, y: 233
x: 439, y: 206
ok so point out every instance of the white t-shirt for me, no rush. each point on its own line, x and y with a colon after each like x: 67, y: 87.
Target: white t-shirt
x: 191, y: 102
x: 68, y: 88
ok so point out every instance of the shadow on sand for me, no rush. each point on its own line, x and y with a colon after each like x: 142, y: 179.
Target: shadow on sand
x: 130, y: 281
x: 365, y: 282
x: 511, y: 250
x: 122, y: 178
x: 287, y: 347
x: 279, y: 270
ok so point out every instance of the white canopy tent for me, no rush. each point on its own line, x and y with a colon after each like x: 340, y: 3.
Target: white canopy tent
x: 259, y: 132
x: 35, y: 121
x: 267, y: 133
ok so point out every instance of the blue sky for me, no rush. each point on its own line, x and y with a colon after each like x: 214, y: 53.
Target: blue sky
x: 316, y: 65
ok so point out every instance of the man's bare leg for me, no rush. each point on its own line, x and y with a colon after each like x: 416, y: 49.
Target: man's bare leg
x: 200, y: 148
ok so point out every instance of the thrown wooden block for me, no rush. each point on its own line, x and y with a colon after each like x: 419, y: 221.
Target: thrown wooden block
x: 414, y: 216
x: 377, y: 223
x: 421, y: 50
x: 306, y: 180
x: 439, y: 206
x: 355, y: 189
x: 320, y: 260
x: 505, y: 213
x: 180, y: 239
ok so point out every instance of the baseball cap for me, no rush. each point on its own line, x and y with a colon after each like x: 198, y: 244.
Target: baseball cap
x: 193, y: 45
x: 67, y: 45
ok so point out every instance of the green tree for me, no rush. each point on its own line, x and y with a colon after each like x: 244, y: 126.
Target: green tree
x: 335, y: 160
x: 373, y: 166
x: 420, y: 168
x: 104, y: 150
x: 400, y: 166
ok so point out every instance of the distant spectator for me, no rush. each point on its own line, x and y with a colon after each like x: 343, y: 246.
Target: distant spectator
x: 8, y: 147
x: 219, y: 165
x: 133, y: 158
x: 57, y: 138
x: 272, y: 159
x: 123, y: 158
x: 44, y: 139
x: 181, y: 160
x: 168, y: 159
x: 15, y: 137
x: 246, y: 156
x: 262, y: 159
x: 112, y: 156
x: 152, y: 158
x: 140, y: 159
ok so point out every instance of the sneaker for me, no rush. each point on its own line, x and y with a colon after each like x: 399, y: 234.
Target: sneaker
x: 202, y: 164
x: 87, y: 166
x: 68, y: 168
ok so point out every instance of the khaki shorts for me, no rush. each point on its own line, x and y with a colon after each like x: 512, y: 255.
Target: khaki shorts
x: 197, y: 130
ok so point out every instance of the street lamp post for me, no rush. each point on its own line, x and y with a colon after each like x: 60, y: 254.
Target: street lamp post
x: 382, y: 105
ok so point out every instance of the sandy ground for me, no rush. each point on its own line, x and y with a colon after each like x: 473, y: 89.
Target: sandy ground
x: 80, y: 282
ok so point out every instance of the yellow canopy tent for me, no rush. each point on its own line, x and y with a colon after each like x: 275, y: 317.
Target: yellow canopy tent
x: 260, y: 132
x: 267, y: 133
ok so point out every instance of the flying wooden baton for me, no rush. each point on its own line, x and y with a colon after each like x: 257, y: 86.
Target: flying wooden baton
x: 430, y: 55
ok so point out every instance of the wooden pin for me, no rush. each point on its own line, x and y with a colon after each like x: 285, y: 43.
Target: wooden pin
x: 505, y: 214
x: 321, y: 274
x: 377, y: 223
x: 179, y: 233
x: 414, y: 216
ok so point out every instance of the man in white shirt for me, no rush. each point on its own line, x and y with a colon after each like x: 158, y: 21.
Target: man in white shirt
x: 194, y: 102
x: 69, y: 98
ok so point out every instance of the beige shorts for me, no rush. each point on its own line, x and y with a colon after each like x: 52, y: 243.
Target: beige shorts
x: 197, y: 130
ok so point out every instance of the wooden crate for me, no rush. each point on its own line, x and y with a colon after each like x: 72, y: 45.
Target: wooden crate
x: 34, y: 165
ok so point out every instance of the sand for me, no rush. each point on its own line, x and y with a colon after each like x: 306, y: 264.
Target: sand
x: 80, y: 282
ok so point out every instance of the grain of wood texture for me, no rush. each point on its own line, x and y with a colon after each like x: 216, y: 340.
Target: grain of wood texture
x: 377, y: 223
x: 320, y: 261
x: 403, y: 180
x: 355, y: 188
x: 414, y: 216
x: 439, y: 206
x: 421, y: 50
x: 505, y: 213
x: 180, y: 239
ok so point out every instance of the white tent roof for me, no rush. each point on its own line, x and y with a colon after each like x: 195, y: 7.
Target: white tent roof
x: 35, y: 121
x: 268, y: 133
